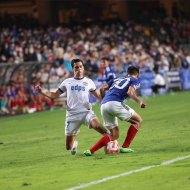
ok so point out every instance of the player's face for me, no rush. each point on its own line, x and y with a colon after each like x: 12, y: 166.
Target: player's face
x: 136, y: 75
x: 78, y: 69
x: 105, y: 63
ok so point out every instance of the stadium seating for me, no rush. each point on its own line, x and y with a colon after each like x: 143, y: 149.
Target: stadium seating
x: 162, y: 91
x: 147, y: 81
x: 42, y: 61
x: 172, y: 79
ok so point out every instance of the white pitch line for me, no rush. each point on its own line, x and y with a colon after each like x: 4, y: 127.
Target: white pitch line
x: 83, y: 185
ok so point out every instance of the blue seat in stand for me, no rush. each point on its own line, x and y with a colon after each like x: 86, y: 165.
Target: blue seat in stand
x: 147, y: 81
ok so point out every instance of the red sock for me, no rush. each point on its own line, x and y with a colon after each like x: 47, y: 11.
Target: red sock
x: 130, y: 136
x: 102, y: 142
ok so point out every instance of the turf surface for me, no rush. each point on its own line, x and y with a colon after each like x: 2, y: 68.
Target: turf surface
x: 33, y: 155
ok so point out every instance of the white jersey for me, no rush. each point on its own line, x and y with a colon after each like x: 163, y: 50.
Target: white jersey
x: 77, y: 92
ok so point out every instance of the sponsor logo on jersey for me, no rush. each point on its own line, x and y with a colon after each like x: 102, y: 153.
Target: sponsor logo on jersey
x: 78, y: 88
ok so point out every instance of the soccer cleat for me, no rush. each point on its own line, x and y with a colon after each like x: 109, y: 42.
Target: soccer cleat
x: 126, y: 150
x: 87, y: 153
x: 74, y: 148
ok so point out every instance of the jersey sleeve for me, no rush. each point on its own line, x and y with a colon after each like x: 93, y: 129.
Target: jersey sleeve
x: 62, y: 86
x: 110, y: 82
x: 135, y: 84
x: 109, y: 73
x: 92, y: 86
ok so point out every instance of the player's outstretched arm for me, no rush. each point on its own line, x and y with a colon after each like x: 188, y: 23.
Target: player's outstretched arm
x: 103, y: 89
x: 96, y: 93
x: 46, y: 93
x: 131, y: 92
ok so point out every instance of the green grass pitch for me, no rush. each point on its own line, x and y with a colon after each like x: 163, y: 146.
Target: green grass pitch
x: 33, y: 155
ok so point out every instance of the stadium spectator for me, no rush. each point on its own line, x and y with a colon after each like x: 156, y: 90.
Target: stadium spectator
x: 22, y: 100
x: 161, y: 43
x: 120, y: 41
x: 79, y: 110
x: 61, y: 72
x: 159, y: 82
x: 3, y: 105
x: 112, y: 107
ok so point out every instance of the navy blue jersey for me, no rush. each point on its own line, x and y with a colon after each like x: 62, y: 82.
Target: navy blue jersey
x: 109, y: 74
x: 119, y: 88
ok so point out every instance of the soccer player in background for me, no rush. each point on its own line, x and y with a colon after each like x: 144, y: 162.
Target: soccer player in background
x: 112, y: 107
x: 79, y: 109
x: 109, y: 72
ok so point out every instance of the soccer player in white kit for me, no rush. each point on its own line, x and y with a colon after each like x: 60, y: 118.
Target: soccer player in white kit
x: 79, y: 109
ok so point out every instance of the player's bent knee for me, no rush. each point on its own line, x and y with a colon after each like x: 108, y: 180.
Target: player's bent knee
x: 140, y: 122
x: 97, y: 127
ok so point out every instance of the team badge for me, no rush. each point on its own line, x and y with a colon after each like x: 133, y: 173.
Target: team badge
x: 85, y: 83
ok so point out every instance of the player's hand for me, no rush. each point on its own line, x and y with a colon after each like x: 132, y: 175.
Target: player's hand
x: 143, y: 105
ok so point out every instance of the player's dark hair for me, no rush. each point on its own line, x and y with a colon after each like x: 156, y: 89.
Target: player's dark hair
x: 75, y: 61
x: 132, y: 70
x: 105, y: 59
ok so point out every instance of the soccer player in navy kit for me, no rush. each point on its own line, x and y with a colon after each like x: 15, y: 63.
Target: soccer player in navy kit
x: 112, y: 107
x: 109, y: 72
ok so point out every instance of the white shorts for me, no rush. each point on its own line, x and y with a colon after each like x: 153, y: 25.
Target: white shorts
x: 112, y: 110
x: 73, y: 127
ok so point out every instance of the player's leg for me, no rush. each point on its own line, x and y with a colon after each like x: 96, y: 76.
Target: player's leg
x: 103, y: 141
x: 93, y: 122
x: 96, y: 125
x: 69, y: 141
x: 136, y: 122
x: 71, y: 144
x: 114, y: 133
x: 71, y: 130
x: 125, y: 113
x: 109, y: 120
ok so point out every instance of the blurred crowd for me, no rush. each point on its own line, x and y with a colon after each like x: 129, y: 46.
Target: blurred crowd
x: 156, y: 44
x: 16, y: 99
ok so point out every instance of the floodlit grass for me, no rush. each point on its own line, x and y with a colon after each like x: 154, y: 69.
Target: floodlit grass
x: 33, y: 155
